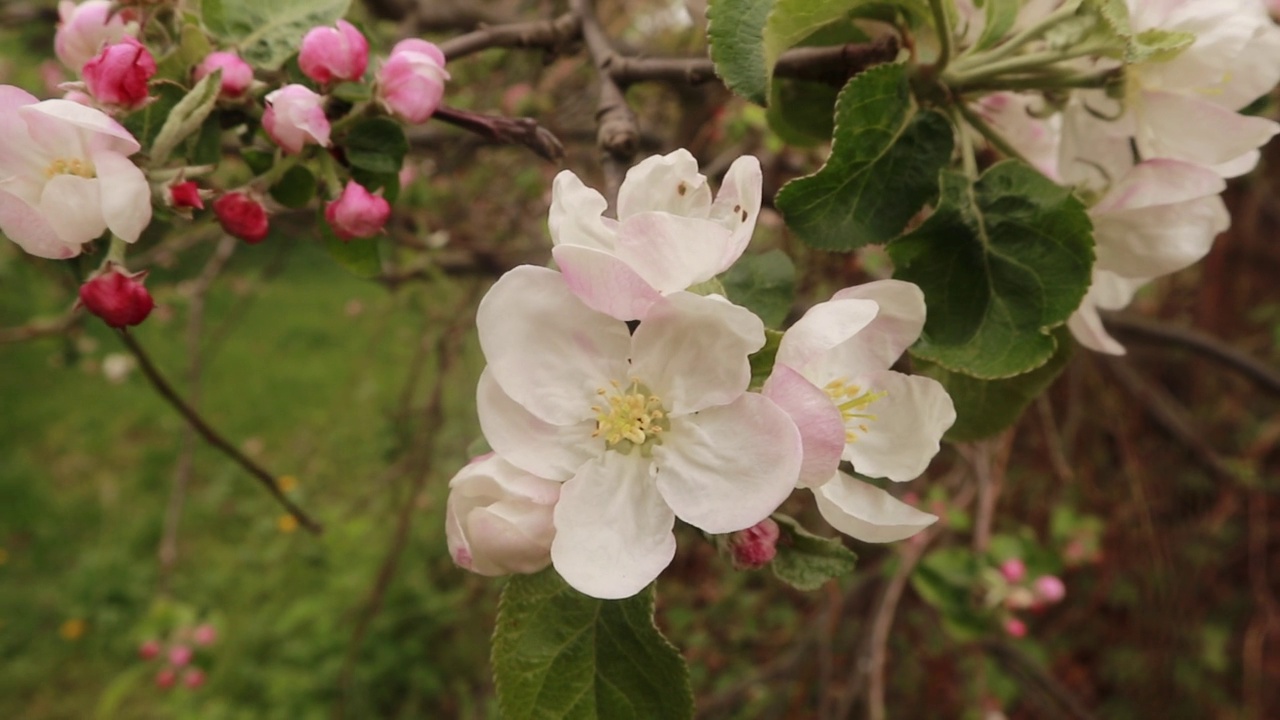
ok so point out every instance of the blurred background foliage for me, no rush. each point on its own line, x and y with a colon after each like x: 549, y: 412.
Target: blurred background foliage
x: 1146, y: 482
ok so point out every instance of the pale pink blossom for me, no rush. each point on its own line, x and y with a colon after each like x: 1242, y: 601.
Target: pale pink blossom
x: 1013, y: 570
x: 119, y: 74
x: 330, y: 54
x: 237, y: 75
x: 295, y: 117
x: 1049, y: 589
x: 498, y: 518
x: 84, y: 29
x: 357, y: 213
x: 65, y: 176
x: 411, y: 81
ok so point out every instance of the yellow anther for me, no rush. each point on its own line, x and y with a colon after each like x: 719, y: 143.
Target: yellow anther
x: 633, y: 418
x: 70, y: 166
x: 852, y: 402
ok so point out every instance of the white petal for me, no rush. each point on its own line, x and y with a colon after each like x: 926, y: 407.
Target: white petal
x: 1152, y: 183
x: 605, y: 283
x: 737, y: 205
x: 816, y: 417
x: 673, y: 253
x: 1109, y: 291
x: 691, y: 351
x: 551, y: 451
x: 504, y: 540
x: 547, y: 350
x: 867, y: 513
x: 25, y: 226
x: 57, y: 114
x: 907, y: 428
x: 1158, y: 240
x: 1086, y: 327
x: 825, y: 326
x: 898, y: 322
x: 1188, y: 128
x: 576, y: 211
x: 73, y: 208
x: 126, y: 196
x: 727, y: 468
x: 665, y: 183
x: 613, y: 530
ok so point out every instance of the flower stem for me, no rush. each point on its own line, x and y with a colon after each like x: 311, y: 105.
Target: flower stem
x: 1007, y: 48
x: 943, y: 25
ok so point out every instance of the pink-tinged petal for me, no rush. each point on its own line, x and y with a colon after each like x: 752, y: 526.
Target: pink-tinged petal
x: 72, y: 206
x: 816, y: 417
x: 499, y: 518
x: 905, y: 433
x: 1255, y: 72
x: 12, y: 98
x: 1086, y: 327
x: 1108, y: 292
x: 1158, y: 240
x: 605, y: 283
x: 576, y: 216
x: 867, y: 513
x: 1189, y: 128
x: 613, y: 530
x: 673, y: 253
x: 53, y: 115
x: 897, y: 325
x: 1152, y: 183
x: 548, y: 350
x: 551, y: 451
x: 823, y: 328
x: 418, y: 45
x: 126, y: 196
x: 667, y: 184
x: 691, y: 351
x: 728, y: 467
x: 25, y: 226
x: 737, y: 205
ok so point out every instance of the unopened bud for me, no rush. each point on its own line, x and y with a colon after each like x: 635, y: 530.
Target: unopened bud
x: 180, y: 655
x: 83, y: 29
x: 193, y: 678
x: 329, y: 54
x: 1013, y: 570
x: 242, y: 216
x: 357, y: 213
x: 119, y: 74
x: 1049, y: 589
x: 237, y: 75
x: 205, y: 635
x: 186, y: 195
x: 1015, y: 628
x: 295, y: 117
x: 166, y: 677
x: 756, y: 546
x: 149, y: 649
x: 118, y: 297
x: 411, y: 81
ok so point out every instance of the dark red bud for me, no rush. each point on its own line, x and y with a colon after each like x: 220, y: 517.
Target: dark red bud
x: 242, y: 217
x: 119, y: 298
x: 186, y: 195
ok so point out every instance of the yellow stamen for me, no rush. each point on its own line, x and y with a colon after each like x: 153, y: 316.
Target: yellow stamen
x: 70, y: 166
x: 852, y: 402
x: 633, y: 417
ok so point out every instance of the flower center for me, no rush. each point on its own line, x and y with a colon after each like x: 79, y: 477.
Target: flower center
x: 70, y: 166
x: 853, y: 402
x: 631, y: 417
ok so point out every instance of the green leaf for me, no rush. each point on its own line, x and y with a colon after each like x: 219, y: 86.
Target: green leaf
x: 206, y: 146
x: 259, y: 161
x: 377, y: 145
x: 765, y: 284
x: 296, y: 188
x: 186, y: 116
x: 359, y: 256
x: 986, y: 407
x: 883, y: 167
x: 352, y: 92
x: 145, y: 124
x: 1001, y: 15
x: 267, y: 32
x: 791, y: 21
x: 1001, y: 262
x: 762, y: 360
x: 806, y: 561
x: 560, y: 654
x: 735, y: 31
x: 800, y: 111
x: 946, y: 579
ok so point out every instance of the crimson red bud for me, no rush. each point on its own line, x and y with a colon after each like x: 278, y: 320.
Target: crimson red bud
x: 118, y: 297
x: 186, y: 195
x: 242, y: 217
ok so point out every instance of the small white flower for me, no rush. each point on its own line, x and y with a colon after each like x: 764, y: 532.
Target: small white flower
x: 498, y: 518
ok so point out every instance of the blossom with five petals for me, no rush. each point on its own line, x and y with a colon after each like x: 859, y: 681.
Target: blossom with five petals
x: 640, y: 428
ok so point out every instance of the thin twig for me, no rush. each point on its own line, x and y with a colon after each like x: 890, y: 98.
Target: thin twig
x: 548, y: 35
x: 212, y: 436
x: 41, y: 328
x: 618, y: 132
x: 512, y: 130
x: 1196, y: 341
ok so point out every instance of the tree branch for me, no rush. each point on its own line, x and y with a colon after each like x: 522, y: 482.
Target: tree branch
x: 1199, y: 342
x: 551, y: 35
x: 617, y: 132
x: 518, y: 131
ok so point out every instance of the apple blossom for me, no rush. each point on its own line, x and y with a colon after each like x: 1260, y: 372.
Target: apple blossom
x: 166, y: 677
x: 1049, y: 589
x: 118, y: 75
x: 237, y: 75
x: 329, y: 54
x: 411, y: 80
x: 119, y: 298
x: 193, y: 678
x: 756, y: 546
x: 83, y: 29
x: 1109, y: 291
x: 180, y: 655
x: 205, y: 635
x: 832, y: 376
x: 295, y: 117
x: 498, y: 518
x: 1013, y: 570
x: 357, y: 213
x: 65, y: 176
x: 640, y: 428
x: 149, y: 649
x: 669, y: 234
x: 1014, y: 116
x: 241, y: 216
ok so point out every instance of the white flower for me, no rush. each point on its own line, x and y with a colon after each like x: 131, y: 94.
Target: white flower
x: 65, y: 176
x: 669, y: 234
x: 832, y: 375
x: 498, y: 518
x: 1108, y: 292
x: 641, y: 428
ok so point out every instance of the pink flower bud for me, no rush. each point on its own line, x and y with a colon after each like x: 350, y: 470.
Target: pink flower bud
x: 411, y: 81
x: 498, y: 518
x: 330, y: 54
x: 119, y: 74
x: 756, y: 546
x: 205, y: 635
x: 1015, y: 627
x: 242, y: 216
x: 180, y: 655
x: 166, y: 677
x: 357, y: 213
x: 295, y: 117
x: 1049, y: 589
x: 193, y: 678
x: 1013, y: 570
x: 186, y: 195
x: 83, y: 29
x: 117, y: 297
x: 237, y: 75
x: 149, y: 649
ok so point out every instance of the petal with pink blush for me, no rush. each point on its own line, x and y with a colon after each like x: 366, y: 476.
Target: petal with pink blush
x: 604, y: 282
x: 865, y: 512
x: 816, y: 417
x: 72, y: 206
x: 824, y: 327
x: 550, y: 451
x: 25, y: 226
x: 672, y: 252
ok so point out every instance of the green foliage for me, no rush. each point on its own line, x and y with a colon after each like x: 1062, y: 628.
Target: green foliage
x: 296, y: 188
x: 762, y: 360
x: 791, y: 21
x: 145, y: 124
x: 376, y: 145
x: 946, y: 579
x: 186, y: 116
x: 985, y: 407
x: 359, y: 255
x: 1001, y: 262
x: 1001, y: 15
x: 883, y: 167
x: 806, y: 561
x: 560, y: 654
x: 800, y: 112
x: 765, y: 284
x: 267, y: 33
x: 735, y: 32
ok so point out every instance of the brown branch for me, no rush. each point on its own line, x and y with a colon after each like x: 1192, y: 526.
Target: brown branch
x: 517, y: 131
x: 211, y: 436
x: 617, y: 131
x: 41, y: 328
x: 1198, y: 342
x: 551, y: 35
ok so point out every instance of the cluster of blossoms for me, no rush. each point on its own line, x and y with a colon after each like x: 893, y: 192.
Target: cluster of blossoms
x: 1012, y: 588
x: 1152, y: 155
x: 68, y: 172
x: 177, y: 656
x: 617, y: 400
